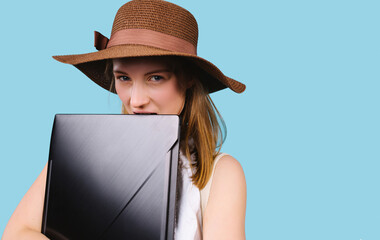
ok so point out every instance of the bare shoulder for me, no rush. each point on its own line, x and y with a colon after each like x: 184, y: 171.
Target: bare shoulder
x: 230, y: 169
x: 26, y: 220
x: 224, y: 216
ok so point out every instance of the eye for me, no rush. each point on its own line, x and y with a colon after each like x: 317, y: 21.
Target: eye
x: 123, y: 78
x: 156, y: 78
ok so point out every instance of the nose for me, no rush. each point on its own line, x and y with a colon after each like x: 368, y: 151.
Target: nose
x: 139, y: 96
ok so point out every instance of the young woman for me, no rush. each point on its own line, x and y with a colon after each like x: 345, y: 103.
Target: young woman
x: 150, y: 62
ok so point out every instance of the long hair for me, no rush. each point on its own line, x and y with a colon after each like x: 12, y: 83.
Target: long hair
x: 202, y: 127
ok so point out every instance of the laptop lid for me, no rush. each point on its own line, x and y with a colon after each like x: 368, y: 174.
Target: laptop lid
x: 112, y: 177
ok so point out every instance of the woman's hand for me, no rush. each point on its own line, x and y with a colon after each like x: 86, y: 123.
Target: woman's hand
x: 26, y: 221
x: 224, y: 216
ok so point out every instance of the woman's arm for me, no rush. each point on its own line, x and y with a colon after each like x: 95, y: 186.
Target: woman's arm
x: 25, y: 222
x: 224, y: 216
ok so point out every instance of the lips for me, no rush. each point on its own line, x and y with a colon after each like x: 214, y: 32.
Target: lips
x: 144, y: 113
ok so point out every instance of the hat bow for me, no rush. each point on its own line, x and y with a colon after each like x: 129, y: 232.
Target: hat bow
x: 145, y: 37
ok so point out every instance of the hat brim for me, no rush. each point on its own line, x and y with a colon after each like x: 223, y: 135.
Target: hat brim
x: 93, y: 65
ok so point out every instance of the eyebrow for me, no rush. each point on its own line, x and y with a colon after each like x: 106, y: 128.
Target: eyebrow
x: 148, y: 73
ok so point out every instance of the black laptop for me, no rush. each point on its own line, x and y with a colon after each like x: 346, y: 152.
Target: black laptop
x: 112, y: 177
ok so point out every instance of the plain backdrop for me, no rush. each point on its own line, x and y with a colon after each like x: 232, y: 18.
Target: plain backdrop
x: 306, y: 130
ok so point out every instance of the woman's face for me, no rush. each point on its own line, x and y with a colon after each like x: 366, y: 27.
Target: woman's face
x: 146, y: 85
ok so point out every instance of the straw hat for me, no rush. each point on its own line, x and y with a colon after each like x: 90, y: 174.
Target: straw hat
x: 149, y: 28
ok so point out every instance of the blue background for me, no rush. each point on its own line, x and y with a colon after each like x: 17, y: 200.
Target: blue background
x: 306, y: 130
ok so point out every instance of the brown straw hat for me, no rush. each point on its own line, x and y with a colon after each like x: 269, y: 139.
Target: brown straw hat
x: 149, y: 28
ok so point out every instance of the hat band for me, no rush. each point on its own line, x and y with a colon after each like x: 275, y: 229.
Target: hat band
x: 148, y: 38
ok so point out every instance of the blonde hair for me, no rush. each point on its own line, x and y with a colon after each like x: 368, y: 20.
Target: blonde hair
x: 201, y: 122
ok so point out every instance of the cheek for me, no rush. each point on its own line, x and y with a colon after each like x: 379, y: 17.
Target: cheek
x: 122, y: 93
x: 169, y: 98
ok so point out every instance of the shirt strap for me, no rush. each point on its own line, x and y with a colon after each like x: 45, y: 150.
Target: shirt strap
x: 205, y: 192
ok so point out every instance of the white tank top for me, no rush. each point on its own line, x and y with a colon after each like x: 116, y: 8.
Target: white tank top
x: 190, y: 202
